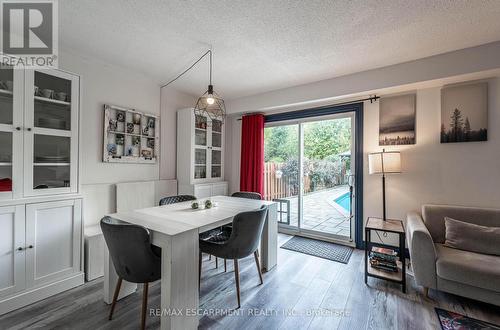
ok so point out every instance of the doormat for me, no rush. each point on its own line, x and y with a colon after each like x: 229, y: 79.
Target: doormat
x: 321, y: 249
x: 455, y: 321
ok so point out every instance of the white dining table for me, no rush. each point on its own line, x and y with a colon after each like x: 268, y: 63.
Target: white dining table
x: 176, y: 228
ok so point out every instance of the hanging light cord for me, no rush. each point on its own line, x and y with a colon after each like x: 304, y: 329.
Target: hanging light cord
x: 192, y: 65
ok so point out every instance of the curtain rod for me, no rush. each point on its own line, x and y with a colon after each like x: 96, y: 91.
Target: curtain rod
x: 372, y: 99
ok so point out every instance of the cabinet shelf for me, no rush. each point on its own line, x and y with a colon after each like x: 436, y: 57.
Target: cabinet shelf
x: 4, y: 92
x: 47, y: 100
x: 124, y: 133
x: 51, y: 164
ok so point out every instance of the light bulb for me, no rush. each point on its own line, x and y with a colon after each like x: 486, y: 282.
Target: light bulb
x: 210, y: 99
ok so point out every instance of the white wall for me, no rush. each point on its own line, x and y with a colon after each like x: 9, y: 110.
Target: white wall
x: 171, y: 101
x: 106, y: 83
x: 232, y: 156
x: 461, y: 62
x: 454, y: 173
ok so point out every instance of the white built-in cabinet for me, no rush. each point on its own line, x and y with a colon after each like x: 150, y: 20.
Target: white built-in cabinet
x: 200, y: 155
x: 38, y: 132
x: 39, y: 244
x: 40, y: 209
x: 12, y: 250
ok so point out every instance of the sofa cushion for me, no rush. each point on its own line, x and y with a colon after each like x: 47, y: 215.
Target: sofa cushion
x: 470, y: 237
x: 475, y: 269
x: 433, y: 216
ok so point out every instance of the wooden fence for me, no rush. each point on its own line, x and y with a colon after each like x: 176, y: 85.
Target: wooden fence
x: 281, y: 186
x: 276, y: 186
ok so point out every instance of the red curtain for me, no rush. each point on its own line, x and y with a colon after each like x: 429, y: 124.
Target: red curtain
x: 252, y: 154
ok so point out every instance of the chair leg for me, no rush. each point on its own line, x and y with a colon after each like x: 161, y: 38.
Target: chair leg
x: 426, y: 292
x: 209, y: 257
x: 199, y: 273
x: 237, y: 278
x: 225, y: 265
x: 115, y: 297
x: 216, y: 262
x: 144, y: 305
x: 256, y: 255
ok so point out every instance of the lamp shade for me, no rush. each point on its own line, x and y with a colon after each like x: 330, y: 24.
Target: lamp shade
x: 384, y: 162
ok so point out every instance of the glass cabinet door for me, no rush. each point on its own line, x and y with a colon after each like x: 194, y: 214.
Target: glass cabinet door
x: 216, y: 149
x: 51, y: 134
x: 208, y: 154
x: 200, y: 163
x: 10, y: 129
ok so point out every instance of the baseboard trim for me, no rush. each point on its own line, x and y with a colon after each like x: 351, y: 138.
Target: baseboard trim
x: 33, y: 295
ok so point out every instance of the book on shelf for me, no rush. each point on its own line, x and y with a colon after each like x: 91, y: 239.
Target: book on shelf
x: 383, y: 259
x: 385, y: 251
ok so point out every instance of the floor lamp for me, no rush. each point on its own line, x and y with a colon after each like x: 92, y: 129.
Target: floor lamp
x: 384, y: 163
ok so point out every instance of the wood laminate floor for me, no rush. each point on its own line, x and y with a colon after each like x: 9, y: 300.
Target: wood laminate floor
x: 303, y: 292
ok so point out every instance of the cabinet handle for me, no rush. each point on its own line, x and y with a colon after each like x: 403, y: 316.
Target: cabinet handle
x: 18, y: 128
x: 30, y: 247
x: 29, y: 129
x: 19, y: 249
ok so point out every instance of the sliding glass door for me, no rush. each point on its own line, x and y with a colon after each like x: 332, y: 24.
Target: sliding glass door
x: 309, y: 171
x: 282, y: 171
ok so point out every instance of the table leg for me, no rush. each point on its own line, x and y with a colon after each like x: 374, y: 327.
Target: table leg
x: 269, y: 240
x: 110, y: 279
x: 179, y: 280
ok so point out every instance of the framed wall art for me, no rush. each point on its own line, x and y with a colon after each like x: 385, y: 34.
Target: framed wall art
x: 464, y: 113
x: 130, y: 136
x: 397, y: 120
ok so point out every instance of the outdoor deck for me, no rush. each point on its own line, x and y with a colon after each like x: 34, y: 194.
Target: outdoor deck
x: 321, y: 213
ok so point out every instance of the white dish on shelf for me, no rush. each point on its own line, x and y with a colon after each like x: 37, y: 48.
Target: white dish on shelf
x: 52, y: 122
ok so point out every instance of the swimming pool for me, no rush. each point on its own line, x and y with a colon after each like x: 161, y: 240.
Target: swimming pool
x: 344, y: 201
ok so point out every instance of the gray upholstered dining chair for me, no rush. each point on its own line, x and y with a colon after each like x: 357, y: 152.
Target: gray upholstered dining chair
x: 242, y: 241
x: 176, y: 199
x: 184, y: 198
x: 227, y: 228
x: 247, y: 194
x: 135, y: 259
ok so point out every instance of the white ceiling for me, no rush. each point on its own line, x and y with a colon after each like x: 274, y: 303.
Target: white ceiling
x: 266, y: 45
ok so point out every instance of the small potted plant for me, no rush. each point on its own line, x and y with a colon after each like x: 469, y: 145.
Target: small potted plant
x: 208, y: 204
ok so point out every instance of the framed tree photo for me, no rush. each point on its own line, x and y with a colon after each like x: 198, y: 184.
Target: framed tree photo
x: 464, y: 113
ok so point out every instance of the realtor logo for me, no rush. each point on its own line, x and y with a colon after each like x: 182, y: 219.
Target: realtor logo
x: 29, y: 33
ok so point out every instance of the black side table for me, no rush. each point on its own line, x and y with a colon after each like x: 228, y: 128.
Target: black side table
x: 388, y: 226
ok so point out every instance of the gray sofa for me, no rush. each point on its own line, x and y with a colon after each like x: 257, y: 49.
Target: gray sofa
x: 436, y: 266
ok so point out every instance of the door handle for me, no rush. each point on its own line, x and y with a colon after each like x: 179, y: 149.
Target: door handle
x: 20, y: 248
x: 30, y: 247
x: 18, y: 128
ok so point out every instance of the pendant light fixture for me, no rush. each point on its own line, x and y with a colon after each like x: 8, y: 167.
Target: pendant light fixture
x: 210, y: 104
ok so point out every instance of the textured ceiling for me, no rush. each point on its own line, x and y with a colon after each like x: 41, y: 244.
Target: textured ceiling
x: 266, y: 45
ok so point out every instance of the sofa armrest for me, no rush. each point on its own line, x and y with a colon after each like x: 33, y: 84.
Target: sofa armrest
x: 422, y: 251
